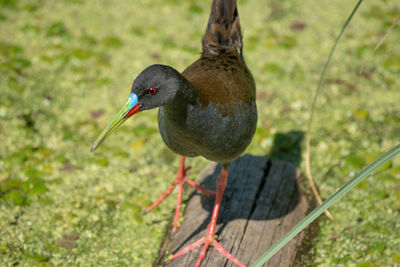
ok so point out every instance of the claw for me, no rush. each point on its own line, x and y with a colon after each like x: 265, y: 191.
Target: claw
x: 188, y: 168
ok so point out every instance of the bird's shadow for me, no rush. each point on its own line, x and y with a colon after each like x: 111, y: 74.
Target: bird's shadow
x: 272, y: 192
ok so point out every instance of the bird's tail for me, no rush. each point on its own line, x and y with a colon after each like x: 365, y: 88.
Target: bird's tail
x: 223, y: 29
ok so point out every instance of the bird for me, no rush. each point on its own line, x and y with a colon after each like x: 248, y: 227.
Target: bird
x: 208, y: 110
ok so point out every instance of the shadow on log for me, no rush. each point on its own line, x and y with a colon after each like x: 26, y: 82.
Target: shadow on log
x: 261, y: 203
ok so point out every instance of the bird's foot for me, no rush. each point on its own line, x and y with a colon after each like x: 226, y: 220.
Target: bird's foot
x: 206, y: 242
x: 209, y: 239
x: 180, y: 180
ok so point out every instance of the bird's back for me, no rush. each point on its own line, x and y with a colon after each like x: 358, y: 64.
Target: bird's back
x: 223, y: 81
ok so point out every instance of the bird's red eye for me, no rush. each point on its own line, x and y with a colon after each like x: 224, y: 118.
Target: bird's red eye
x: 152, y: 91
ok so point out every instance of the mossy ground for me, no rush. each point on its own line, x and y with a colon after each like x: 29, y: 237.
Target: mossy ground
x: 67, y: 66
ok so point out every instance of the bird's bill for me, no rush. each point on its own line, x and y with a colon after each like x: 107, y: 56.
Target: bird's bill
x: 131, y: 107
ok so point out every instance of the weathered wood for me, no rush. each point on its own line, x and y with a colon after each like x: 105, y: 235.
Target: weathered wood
x: 261, y: 203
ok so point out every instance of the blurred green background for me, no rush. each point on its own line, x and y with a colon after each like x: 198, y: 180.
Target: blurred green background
x: 66, y: 68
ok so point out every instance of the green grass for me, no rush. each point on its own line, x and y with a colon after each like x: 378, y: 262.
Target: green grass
x: 64, y: 63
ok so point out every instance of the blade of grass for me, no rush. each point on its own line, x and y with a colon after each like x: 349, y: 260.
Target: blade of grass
x: 329, y: 202
x: 396, y: 20
x: 293, y: 232
x: 309, y: 128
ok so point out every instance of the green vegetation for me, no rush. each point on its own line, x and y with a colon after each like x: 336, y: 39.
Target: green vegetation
x: 67, y: 66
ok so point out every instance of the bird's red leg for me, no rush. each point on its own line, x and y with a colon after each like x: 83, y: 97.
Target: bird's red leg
x: 180, y: 180
x: 200, y: 188
x: 209, y: 239
x: 178, y: 208
x: 160, y: 199
x: 190, y: 181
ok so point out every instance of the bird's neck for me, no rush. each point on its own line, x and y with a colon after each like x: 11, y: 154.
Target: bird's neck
x: 185, y: 96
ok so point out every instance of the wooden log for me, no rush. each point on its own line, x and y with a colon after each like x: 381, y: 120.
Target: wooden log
x: 261, y: 203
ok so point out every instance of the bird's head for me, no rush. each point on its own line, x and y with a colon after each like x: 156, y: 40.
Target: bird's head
x: 156, y: 86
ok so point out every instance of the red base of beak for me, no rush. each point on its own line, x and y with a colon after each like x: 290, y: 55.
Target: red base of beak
x: 133, y: 110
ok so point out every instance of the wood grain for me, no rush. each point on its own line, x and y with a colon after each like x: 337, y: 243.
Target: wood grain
x: 261, y: 203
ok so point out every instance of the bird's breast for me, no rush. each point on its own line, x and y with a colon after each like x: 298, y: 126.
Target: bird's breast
x: 208, y: 132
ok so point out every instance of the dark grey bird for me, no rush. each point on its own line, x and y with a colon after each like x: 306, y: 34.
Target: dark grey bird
x: 208, y: 110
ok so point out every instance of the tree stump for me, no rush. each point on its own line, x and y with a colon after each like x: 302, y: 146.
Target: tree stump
x: 261, y: 203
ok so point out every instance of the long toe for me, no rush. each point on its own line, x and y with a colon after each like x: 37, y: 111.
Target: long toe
x: 206, y: 242
x: 227, y: 254
x: 203, y: 252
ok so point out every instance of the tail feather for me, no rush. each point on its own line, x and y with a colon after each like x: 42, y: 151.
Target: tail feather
x: 223, y: 29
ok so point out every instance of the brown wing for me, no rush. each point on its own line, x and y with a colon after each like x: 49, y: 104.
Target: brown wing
x: 222, y: 80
